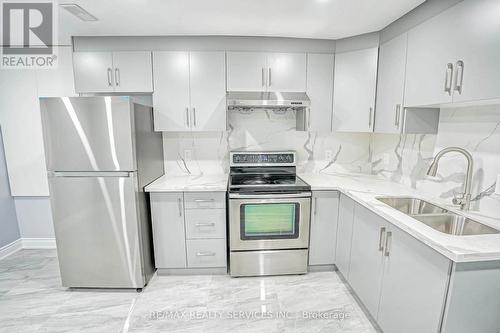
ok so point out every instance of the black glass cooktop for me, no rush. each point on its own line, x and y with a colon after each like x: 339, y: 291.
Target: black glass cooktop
x: 266, y: 180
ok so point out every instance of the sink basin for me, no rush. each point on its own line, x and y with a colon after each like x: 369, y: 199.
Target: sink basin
x: 412, y: 206
x: 437, y: 217
x: 454, y: 224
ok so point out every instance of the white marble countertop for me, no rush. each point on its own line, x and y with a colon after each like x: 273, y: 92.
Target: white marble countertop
x: 197, y: 183
x: 364, y: 189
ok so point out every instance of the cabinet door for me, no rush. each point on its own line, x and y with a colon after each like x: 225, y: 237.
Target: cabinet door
x: 415, y: 282
x: 246, y: 71
x: 344, y: 235
x: 390, y: 85
x: 208, y: 91
x: 354, y: 90
x: 479, y: 49
x: 365, y: 274
x: 133, y: 71
x: 93, y: 72
x: 286, y: 72
x: 171, y: 95
x: 167, y: 214
x: 323, y: 228
x: 431, y: 49
x: 320, y: 90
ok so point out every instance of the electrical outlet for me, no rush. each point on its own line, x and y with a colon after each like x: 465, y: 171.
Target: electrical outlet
x: 188, y: 155
x: 328, y: 155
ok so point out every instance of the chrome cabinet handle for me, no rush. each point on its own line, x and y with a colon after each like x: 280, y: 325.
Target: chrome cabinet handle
x: 388, y: 244
x: 459, y: 78
x: 117, y: 76
x: 381, y: 239
x: 205, y: 254
x: 315, y: 205
x: 370, y: 118
x: 205, y: 224
x: 194, y: 117
x: 270, y: 77
x: 263, y: 77
x: 110, y: 79
x: 187, y: 117
x: 398, y: 115
x: 448, y: 78
x: 203, y: 200
x: 179, y: 203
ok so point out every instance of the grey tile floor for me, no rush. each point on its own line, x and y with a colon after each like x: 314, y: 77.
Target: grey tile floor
x: 32, y: 300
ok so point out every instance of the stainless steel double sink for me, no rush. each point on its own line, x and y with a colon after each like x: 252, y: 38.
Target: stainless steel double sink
x: 438, y: 218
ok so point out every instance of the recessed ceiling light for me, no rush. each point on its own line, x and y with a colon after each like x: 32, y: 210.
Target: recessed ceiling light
x: 79, y: 12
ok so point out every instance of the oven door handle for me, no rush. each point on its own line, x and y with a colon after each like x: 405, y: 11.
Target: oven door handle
x: 269, y: 196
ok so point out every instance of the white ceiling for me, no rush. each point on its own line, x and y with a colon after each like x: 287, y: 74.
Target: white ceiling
x: 329, y: 19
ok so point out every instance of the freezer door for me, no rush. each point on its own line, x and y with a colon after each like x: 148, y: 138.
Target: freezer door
x: 88, y: 133
x: 95, y: 221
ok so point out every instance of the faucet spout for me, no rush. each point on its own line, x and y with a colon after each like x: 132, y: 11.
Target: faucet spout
x: 464, y: 200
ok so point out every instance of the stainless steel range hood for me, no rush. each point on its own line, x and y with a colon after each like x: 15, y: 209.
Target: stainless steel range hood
x: 267, y: 99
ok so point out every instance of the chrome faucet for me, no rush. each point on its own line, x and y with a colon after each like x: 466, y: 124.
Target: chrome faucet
x: 465, y: 198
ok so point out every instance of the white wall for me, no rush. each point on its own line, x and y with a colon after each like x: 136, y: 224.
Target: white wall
x: 9, y: 230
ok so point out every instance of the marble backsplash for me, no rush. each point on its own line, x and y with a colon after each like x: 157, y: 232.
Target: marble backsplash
x: 265, y: 130
x: 406, y: 158
x: 401, y: 158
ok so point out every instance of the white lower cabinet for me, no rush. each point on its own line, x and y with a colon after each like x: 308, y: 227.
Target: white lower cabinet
x: 414, y: 286
x: 189, y: 230
x: 323, y: 232
x: 205, y: 253
x: 344, y: 234
x: 366, y: 266
x: 401, y: 281
x: 167, y: 214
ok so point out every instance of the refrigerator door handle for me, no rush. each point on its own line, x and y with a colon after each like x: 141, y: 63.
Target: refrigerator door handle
x: 75, y: 174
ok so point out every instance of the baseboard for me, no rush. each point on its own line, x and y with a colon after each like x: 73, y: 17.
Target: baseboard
x: 38, y: 243
x: 11, y: 248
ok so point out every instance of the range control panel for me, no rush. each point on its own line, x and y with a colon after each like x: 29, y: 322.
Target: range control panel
x: 264, y: 158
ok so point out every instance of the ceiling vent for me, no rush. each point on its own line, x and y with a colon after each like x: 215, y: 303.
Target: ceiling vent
x: 79, y: 12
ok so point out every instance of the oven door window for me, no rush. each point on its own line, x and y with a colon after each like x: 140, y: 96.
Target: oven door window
x: 269, y: 221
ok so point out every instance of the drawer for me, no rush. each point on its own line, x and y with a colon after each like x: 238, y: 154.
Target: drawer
x: 205, y: 223
x: 206, y: 253
x: 203, y: 200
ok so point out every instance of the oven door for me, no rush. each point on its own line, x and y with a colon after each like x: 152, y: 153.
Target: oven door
x: 269, y: 221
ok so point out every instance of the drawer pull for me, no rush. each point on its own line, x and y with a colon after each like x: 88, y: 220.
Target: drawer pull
x: 203, y: 200
x: 205, y: 224
x: 205, y: 254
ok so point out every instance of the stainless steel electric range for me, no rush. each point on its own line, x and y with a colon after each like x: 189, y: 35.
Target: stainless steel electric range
x: 269, y: 214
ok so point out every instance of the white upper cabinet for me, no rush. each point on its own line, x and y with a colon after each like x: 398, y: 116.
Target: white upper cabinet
x: 453, y: 57
x: 189, y: 91
x: 208, y: 91
x: 320, y: 90
x: 354, y: 90
x: 430, y: 61
x: 171, y: 95
x: 93, y: 71
x: 477, y: 64
x: 133, y: 72
x: 390, y: 85
x: 257, y: 71
x: 246, y: 71
x: 286, y: 72
x: 97, y: 72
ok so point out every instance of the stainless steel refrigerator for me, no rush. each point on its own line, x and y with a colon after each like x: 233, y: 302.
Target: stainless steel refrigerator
x: 101, y: 152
